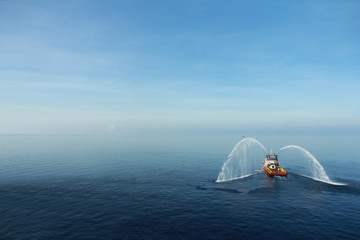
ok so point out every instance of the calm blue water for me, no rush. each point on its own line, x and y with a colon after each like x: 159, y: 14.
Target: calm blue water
x: 104, y: 187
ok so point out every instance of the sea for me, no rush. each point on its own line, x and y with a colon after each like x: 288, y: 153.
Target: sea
x: 111, y: 187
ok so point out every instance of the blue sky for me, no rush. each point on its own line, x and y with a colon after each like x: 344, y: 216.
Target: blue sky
x: 133, y: 66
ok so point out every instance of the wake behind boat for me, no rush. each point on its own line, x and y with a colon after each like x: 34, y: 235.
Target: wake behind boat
x: 272, y: 167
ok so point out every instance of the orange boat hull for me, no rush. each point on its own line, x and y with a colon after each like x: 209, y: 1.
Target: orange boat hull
x: 275, y: 173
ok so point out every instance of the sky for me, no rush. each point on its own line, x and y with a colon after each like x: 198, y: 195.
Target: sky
x: 91, y: 66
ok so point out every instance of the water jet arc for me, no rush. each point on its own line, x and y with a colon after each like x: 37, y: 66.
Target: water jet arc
x: 241, y: 161
x: 316, y: 170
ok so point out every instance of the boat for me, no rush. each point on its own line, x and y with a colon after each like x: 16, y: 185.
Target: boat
x: 272, y: 167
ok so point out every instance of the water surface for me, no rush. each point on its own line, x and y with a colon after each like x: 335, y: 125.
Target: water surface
x: 105, y: 187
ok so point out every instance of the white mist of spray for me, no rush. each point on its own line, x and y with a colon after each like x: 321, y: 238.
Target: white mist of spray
x: 243, y: 160
x: 310, y: 168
